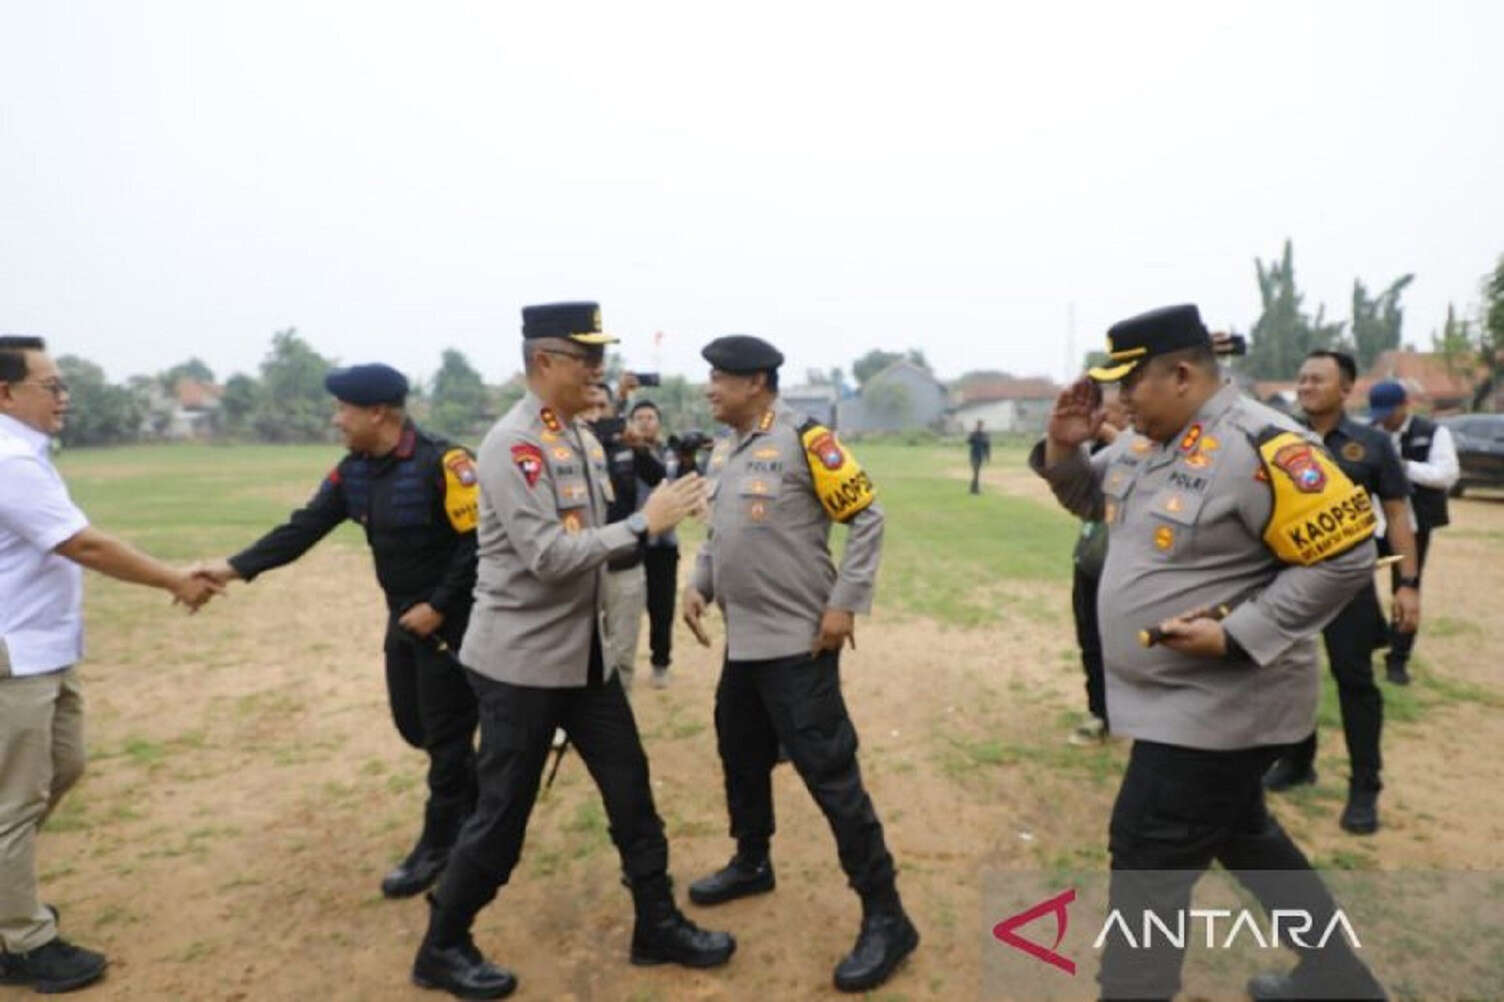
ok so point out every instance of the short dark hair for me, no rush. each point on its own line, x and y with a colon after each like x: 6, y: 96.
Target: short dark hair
x: 13, y: 349
x: 1345, y: 362
x: 772, y: 381
x: 644, y: 405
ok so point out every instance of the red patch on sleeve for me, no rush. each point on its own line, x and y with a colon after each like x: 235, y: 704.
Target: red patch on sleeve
x: 828, y: 451
x: 463, y: 469
x: 529, y: 460
x: 1300, y: 464
x: 334, y: 476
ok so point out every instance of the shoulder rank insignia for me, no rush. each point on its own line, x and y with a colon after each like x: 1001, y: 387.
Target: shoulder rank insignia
x: 551, y: 420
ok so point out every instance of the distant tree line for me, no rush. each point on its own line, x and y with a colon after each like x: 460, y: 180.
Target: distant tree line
x: 1286, y: 331
x: 285, y: 400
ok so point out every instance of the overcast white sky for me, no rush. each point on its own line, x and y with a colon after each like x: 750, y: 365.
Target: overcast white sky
x: 181, y: 178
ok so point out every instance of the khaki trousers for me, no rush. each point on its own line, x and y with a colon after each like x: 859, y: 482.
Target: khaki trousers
x: 41, y: 756
x: 626, y: 602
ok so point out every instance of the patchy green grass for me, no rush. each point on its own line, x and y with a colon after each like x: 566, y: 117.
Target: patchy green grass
x: 951, y: 555
x: 185, y: 502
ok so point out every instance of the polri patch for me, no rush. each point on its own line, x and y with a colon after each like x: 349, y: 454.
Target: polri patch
x: 1301, y: 467
x: 529, y: 459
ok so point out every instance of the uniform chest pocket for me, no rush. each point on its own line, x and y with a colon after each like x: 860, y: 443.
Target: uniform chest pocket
x: 1116, y: 486
x: 759, y: 485
x: 571, y: 492
x: 1173, y: 516
x: 756, y: 494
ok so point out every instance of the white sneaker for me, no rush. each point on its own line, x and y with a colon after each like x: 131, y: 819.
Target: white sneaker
x: 660, y: 678
x: 560, y: 738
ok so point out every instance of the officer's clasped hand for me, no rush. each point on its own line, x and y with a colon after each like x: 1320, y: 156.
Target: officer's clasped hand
x: 673, y: 501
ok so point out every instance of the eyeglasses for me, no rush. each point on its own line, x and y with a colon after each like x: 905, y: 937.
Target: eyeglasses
x: 590, y: 358
x: 56, y: 387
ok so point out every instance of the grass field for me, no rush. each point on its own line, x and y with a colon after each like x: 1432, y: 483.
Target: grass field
x: 247, y: 789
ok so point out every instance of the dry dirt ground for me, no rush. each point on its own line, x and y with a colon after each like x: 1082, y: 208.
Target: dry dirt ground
x: 247, y: 790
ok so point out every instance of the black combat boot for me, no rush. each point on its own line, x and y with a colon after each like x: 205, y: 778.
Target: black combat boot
x: 662, y: 935
x: 448, y: 958
x: 887, y: 936
x: 416, y: 873
x: 749, y: 872
x: 1361, y: 815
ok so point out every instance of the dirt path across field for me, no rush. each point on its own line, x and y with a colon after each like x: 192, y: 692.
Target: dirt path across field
x: 247, y: 790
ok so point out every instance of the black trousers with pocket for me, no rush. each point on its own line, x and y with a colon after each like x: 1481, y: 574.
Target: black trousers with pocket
x: 1179, y: 810
x: 516, y: 728
x: 434, y: 709
x: 796, y: 701
x: 1351, y: 639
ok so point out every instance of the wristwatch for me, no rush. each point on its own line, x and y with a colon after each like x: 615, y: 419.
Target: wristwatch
x: 1407, y: 583
x: 638, y: 523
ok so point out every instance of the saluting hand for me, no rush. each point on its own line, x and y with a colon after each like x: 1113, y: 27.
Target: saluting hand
x: 837, y: 627
x: 1077, y: 417
x: 693, y: 605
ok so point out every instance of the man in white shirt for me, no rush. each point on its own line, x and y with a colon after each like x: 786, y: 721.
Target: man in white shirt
x: 45, y: 541
x: 1430, y: 457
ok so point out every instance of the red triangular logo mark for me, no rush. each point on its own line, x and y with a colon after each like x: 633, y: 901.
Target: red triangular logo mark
x: 1004, y: 930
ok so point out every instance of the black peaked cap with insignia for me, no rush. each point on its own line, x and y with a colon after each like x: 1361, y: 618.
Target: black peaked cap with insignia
x: 367, y: 385
x: 1158, y: 332
x: 577, y: 321
x: 742, y: 353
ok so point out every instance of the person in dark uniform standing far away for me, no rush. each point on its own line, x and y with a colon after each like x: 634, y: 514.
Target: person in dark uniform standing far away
x: 980, y: 444
x: 661, y: 559
x: 1430, y: 457
x: 534, y: 654
x: 1368, y: 459
x: 777, y: 485
x: 414, y: 494
x: 1212, y: 500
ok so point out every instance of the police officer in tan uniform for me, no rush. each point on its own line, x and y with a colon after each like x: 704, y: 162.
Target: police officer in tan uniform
x: 1213, y: 502
x: 777, y: 485
x: 533, y: 653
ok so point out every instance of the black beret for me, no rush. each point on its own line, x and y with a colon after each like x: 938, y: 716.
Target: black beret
x: 742, y: 353
x: 367, y: 385
x: 1157, y: 332
x: 580, y: 321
